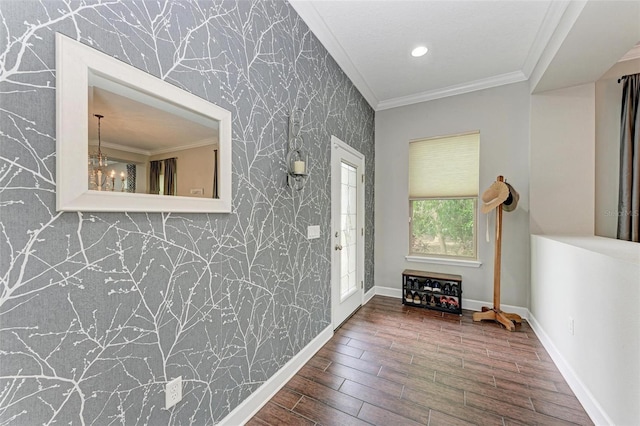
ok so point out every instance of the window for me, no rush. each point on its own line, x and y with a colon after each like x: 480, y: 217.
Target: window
x: 443, y: 196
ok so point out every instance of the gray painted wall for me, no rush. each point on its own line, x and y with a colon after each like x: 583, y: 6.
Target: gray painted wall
x: 501, y: 114
x: 98, y: 310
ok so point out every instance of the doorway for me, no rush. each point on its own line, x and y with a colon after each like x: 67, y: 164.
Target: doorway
x: 347, y: 231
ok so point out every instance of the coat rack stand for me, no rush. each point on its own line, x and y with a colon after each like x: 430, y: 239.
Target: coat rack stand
x: 496, y: 314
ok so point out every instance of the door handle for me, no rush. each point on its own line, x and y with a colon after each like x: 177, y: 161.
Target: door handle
x: 338, y: 247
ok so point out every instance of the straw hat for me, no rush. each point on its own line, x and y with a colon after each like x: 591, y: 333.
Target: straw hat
x: 511, y: 202
x: 500, y: 193
x: 495, y: 195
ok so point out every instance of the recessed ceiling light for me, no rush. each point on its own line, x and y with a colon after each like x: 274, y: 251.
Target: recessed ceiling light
x: 419, y: 51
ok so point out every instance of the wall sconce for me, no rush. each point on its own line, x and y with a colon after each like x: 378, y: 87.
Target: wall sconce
x: 297, y: 158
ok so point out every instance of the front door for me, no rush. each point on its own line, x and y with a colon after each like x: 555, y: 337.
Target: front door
x: 347, y: 231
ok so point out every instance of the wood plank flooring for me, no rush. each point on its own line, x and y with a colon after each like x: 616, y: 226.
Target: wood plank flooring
x: 392, y: 364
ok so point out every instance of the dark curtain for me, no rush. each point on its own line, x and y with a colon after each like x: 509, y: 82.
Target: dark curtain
x: 215, y: 173
x: 170, y: 172
x: 155, y: 167
x: 629, y: 191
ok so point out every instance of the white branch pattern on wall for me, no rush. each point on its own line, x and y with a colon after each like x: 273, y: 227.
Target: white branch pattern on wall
x: 99, y: 310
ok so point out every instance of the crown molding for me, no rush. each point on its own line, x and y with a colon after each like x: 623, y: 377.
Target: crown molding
x: 558, y: 20
x: 199, y: 144
x: 119, y: 147
x: 134, y: 150
x: 634, y: 53
x: 472, y: 86
x: 310, y: 16
x: 549, y: 24
x: 567, y: 20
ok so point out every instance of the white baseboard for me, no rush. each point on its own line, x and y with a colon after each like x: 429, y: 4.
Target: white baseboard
x: 254, y: 402
x: 590, y: 404
x: 250, y: 406
x: 388, y: 291
x: 368, y: 295
x: 473, y: 305
x: 476, y: 305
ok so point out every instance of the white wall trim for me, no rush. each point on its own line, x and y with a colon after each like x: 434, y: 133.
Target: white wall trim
x: 476, y: 305
x: 389, y: 292
x: 250, y: 406
x: 318, y: 26
x: 369, y: 295
x: 472, y: 86
x: 634, y: 53
x: 549, y: 24
x: 590, y: 404
x: 473, y: 305
x: 254, y: 402
x: 569, y: 16
x: 444, y: 261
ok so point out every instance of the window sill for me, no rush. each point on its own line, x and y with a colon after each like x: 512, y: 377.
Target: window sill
x: 443, y: 261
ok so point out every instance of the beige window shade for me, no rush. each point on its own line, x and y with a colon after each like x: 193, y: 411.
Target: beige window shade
x: 444, y: 167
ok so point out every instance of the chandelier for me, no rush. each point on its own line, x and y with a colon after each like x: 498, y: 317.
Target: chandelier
x: 98, y: 177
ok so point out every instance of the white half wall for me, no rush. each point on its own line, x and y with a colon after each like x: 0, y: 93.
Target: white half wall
x: 594, y: 281
x: 562, y: 170
x: 502, y: 116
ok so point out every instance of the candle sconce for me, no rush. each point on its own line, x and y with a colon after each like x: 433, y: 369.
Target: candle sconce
x: 297, y: 158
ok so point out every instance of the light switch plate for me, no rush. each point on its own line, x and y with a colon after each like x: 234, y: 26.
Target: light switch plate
x: 313, y: 232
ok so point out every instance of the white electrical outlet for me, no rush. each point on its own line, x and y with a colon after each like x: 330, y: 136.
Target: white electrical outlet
x: 173, y: 392
x: 570, y: 325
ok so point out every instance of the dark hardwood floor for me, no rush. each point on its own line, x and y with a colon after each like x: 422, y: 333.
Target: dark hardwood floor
x: 391, y: 365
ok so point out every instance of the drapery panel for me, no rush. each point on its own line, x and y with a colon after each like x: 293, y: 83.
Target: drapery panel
x: 629, y: 190
x: 155, y: 168
x: 170, y: 172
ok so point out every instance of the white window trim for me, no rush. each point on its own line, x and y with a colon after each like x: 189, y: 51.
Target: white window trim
x: 444, y: 261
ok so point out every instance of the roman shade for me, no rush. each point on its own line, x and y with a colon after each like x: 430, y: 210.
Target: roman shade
x: 444, y: 167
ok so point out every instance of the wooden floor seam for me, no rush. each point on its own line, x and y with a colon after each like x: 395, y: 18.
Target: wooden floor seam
x: 391, y: 364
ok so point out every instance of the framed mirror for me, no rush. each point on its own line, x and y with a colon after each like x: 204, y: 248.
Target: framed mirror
x: 129, y: 141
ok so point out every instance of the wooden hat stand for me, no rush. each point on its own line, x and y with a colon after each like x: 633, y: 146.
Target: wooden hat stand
x: 496, y: 314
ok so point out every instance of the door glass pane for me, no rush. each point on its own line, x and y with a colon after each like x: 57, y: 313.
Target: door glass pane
x: 348, y: 213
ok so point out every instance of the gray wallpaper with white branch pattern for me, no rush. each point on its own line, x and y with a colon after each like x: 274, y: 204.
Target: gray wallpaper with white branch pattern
x: 98, y: 310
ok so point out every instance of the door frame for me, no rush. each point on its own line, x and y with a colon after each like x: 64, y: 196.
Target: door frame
x: 336, y: 145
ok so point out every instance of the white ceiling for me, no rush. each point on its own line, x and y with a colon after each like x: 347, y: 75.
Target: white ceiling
x: 472, y: 44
